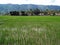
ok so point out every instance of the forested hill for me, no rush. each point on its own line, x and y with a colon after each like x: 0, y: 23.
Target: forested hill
x: 15, y: 7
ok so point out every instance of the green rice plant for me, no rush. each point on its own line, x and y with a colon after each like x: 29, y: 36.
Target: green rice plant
x: 29, y: 30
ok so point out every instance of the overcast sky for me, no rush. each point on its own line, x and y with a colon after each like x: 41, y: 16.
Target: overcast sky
x: 39, y: 2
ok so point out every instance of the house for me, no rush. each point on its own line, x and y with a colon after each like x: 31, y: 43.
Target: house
x: 58, y: 14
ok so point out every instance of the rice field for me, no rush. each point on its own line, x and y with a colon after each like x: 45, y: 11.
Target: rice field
x: 29, y: 30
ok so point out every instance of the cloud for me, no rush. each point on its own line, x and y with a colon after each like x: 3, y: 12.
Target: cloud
x: 39, y: 2
x: 56, y: 2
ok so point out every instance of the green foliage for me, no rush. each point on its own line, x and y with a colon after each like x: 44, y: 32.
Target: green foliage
x: 36, y: 11
x: 30, y: 30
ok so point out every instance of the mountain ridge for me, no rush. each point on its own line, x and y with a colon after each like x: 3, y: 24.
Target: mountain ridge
x: 16, y: 7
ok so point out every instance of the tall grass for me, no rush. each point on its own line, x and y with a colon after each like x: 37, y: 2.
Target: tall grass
x: 29, y: 30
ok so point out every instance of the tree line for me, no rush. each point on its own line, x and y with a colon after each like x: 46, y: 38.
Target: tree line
x: 35, y: 12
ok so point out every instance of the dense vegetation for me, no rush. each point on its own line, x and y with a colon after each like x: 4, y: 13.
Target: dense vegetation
x: 35, y: 12
x: 29, y: 30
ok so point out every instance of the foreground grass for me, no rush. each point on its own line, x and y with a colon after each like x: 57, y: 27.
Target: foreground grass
x: 29, y: 30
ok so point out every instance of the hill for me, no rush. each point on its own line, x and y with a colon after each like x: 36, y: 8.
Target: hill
x: 15, y: 7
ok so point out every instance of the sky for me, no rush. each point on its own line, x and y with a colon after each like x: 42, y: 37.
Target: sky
x: 37, y: 2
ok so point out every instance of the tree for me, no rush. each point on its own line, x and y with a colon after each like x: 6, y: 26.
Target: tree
x: 36, y: 11
x: 23, y: 13
x: 14, y: 13
x: 30, y: 12
x: 54, y: 14
x: 46, y: 12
